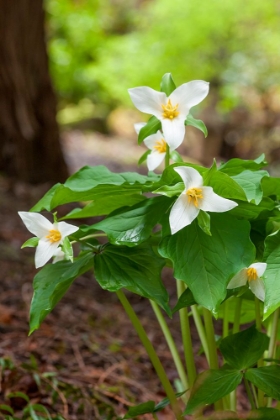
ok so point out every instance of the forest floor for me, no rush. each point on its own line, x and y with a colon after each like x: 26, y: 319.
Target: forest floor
x: 85, y: 362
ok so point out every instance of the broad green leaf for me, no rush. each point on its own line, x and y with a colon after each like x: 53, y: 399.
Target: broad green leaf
x: 225, y: 186
x: 170, y: 177
x: 31, y: 242
x: 186, y: 299
x: 272, y: 273
x: 251, y: 184
x: 137, y: 410
x: 51, y: 283
x: 143, y: 158
x: 167, y: 84
x: 197, y: 124
x: 252, y: 211
x: 271, y: 186
x: 165, y: 402
x: 18, y: 394
x: 206, y: 263
x: 152, y: 126
x: 137, y: 269
x: 135, y: 225
x: 267, y: 379
x: 105, y: 205
x: 212, y: 385
x: 4, y: 407
x: 248, y: 312
x: 245, y: 348
x: 235, y: 166
x: 203, y: 220
x: 176, y: 157
x: 264, y: 414
x: 171, y: 190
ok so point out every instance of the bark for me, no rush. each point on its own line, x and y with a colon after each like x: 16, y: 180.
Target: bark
x: 29, y: 135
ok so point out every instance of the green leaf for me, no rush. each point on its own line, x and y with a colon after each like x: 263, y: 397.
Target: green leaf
x: 152, y: 126
x: 252, y: 211
x: 167, y: 84
x: 137, y: 269
x: 197, y: 124
x: 165, y: 402
x: 31, y: 242
x: 51, y: 283
x: 267, y: 379
x: 18, y: 394
x: 203, y: 220
x: 271, y: 186
x: 143, y: 158
x: 208, y: 262
x: 245, y: 348
x: 176, y: 157
x: 272, y: 273
x: 135, y: 225
x: 137, y: 410
x: 235, y: 166
x: 67, y: 249
x: 251, y: 184
x: 248, y: 312
x: 42, y: 409
x: 4, y: 407
x: 170, y: 191
x: 265, y: 414
x: 105, y: 205
x: 225, y: 186
x: 186, y: 299
x: 212, y: 385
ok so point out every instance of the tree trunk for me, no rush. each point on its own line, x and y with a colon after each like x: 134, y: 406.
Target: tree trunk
x: 29, y: 135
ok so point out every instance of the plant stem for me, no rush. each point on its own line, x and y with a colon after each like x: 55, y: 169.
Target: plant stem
x: 225, y: 319
x: 249, y: 393
x: 237, y: 314
x: 272, y: 343
x: 210, y: 333
x: 167, y: 156
x: 171, y: 344
x: 258, y: 314
x: 152, y: 353
x: 201, y: 331
x: 186, y: 336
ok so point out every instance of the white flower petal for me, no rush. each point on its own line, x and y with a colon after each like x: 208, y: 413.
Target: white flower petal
x: 182, y: 213
x: 148, y: 100
x: 151, y: 140
x: 190, y: 176
x: 257, y: 287
x: 59, y: 255
x: 44, y: 251
x: 154, y: 159
x: 259, y: 267
x: 189, y: 94
x: 174, y: 131
x: 138, y: 126
x: 215, y: 203
x: 240, y: 279
x: 36, y: 223
x: 65, y: 229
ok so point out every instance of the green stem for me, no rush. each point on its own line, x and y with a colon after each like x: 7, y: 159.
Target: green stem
x: 237, y: 315
x: 201, y: 331
x: 171, y: 344
x: 225, y: 319
x: 186, y: 337
x: 167, y: 156
x: 249, y: 393
x: 152, y: 353
x: 258, y: 314
x: 210, y: 333
x: 272, y: 343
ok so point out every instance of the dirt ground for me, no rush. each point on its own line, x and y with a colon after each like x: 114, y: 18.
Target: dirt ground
x: 85, y: 362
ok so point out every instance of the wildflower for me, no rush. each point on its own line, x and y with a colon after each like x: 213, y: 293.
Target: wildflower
x: 194, y: 198
x: 50, y: 235
x: 172, y: 110
x: 252, y: 275
x: 59, y: 255
x: 157, y: 144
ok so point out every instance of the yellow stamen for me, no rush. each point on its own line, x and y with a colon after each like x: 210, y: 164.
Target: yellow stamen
x: 170, y: 111
x: 194, y: 194
x: 160, y: 146
x: 252, y: 274
x: 54, y: 236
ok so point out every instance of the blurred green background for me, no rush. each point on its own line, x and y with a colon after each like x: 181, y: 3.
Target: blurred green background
x: 98, y: 49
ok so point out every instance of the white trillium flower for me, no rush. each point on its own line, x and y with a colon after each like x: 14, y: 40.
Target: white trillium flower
x: 50, y: 235
x: 59, y: 255
x: 252, y: 275
x: 194, y: 198
x: 171, y: 110
x: 157, y: 144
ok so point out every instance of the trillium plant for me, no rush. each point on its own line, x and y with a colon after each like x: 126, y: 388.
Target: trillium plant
x: 217, y: 231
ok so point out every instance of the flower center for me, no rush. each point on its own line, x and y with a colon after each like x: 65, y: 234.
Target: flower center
x: 160, y: 146
x: 54, y: 236
x: 170, y: 111
x: 252, y: 274
x: 194, y: 194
